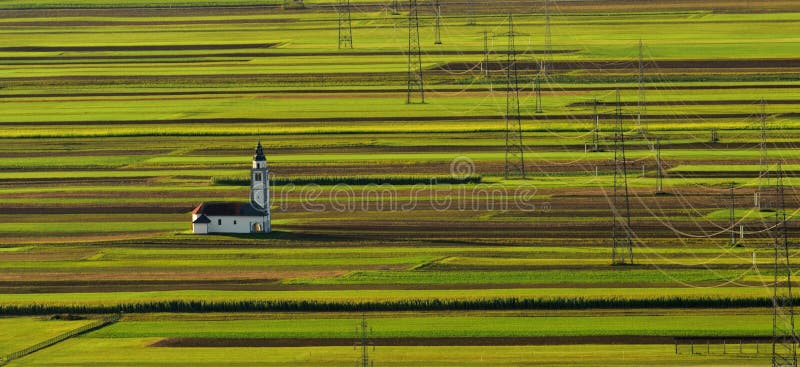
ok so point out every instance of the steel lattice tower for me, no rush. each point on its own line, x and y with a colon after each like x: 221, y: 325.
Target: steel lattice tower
x: 416, y: 84
x: 622, y: 243
x: 548, y: 42
x: 395, y: 7
x: 363, y: 330
x: 515, y: 157
x: 485, y: 63
x: 537, y: 86
x: 642, y: 120
x: 784, y: 338
x: 596, y: 130
x: 764, y: 171
x: 659, y: 169
x: 345, y: 26
x: 437, y: 30
x: 732, y: 214
x: 293, y: 4
x: 471, y: 12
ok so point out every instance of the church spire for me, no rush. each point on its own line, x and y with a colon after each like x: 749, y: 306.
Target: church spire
x: 259, y: 152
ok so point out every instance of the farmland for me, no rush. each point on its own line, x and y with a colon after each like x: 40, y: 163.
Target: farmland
x: 118, y: 118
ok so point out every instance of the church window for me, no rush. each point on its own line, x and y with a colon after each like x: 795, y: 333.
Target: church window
x: 219, y: 222
x: 258, y: 177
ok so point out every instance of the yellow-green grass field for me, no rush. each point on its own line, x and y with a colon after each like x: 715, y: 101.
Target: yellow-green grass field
x: 117, y: 119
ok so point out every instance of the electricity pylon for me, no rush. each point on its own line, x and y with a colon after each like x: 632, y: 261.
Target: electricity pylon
x: 622, y: 242
x: 416, y: 84
x: 732, y: 215
x: 642, y: 119
x: 515, y: 156
x: 548, y: 43
x: 485, y: 62
x: 364, y: 331
x: 764, y: 203
x: 471, y: 13
x: 345, y: 26
x: 596, y: 130
x: 784, y: 338
x: 437, y: 30
x: 659, y: 169
x: 293, y: 4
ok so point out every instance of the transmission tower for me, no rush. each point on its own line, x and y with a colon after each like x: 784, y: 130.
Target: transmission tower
x: 784, y: 338
x: 537, y: 86
x: 659, y: 169
x: 596, y: 130
x: 364, y: 331
x: 345, y: 26
x: 395, y: 7
x: 515, y: 158
x: 622, y: 246
x: 471, y: 12
x: 548, y: 43
x: 764, y: 182
x: 485, y: 63
x: 732, y: 214
x: 437, y: 11
x: 642, y: 119
x: 416, y: 84
x: 293, y: 4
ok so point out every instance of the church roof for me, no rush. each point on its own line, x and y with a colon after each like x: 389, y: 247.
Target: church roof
x: 202, y: 219
x: 228, y: 209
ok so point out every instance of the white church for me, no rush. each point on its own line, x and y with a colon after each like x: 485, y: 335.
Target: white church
x: 252, y: 217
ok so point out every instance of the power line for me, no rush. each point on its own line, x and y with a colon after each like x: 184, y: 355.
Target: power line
x: 622, y: 244
x: 416, y: 84
x: 784, y: 338
x: 515, y: 158
x: 345, y: 26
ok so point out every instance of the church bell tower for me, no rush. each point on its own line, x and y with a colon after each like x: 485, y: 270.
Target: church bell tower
x: 259, y: 181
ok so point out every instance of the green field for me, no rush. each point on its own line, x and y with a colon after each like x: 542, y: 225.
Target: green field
x: 118, y: 118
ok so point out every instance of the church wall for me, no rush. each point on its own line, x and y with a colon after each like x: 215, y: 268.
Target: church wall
x: 242, y: 224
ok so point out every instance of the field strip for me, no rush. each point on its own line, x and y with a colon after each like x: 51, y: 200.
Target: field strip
x: 423, y: 341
